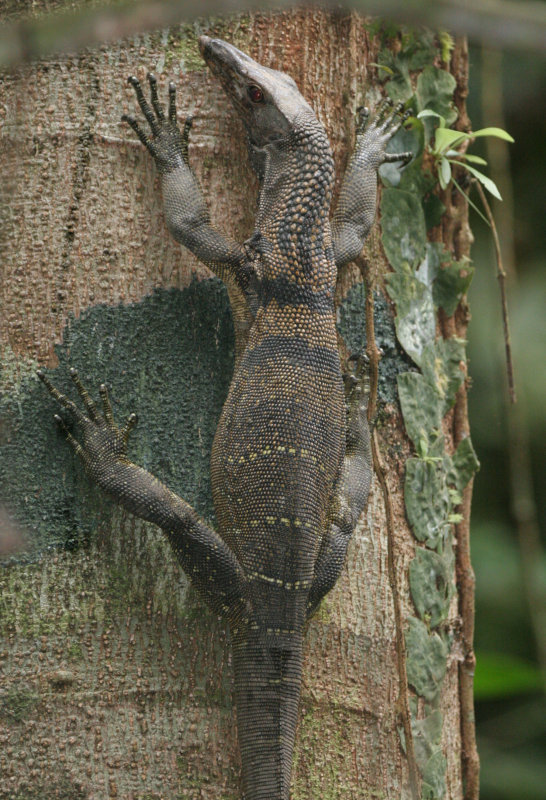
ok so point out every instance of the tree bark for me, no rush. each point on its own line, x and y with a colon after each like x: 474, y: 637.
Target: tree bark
x: 116, y: 680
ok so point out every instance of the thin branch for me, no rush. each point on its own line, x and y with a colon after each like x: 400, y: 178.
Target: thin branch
x: 469, y: 201
x: 374, y: 355
x: 467, y: 583
x: 456, y: 230
x: 501, y: 275
x: 28, y: 36
x: 403, y: 698
x: 372, y: 351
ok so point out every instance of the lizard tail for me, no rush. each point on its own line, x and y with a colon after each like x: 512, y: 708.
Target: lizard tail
x: 267, y: 691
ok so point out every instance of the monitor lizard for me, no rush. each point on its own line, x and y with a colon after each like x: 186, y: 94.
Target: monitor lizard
x: 290, y: 464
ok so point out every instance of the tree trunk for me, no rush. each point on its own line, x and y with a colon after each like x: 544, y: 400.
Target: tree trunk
x: 116, y: 680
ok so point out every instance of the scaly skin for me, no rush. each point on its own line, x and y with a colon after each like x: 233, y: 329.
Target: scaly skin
x: 290, y: 463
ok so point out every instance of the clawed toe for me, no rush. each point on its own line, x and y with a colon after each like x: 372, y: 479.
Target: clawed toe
x: 357, y: 373
x: 406, y: 157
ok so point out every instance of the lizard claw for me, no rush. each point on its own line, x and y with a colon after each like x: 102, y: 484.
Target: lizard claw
x: 172, y: 102
x: 405, y: 157
x: 152, y: 80
x: 363, y: 117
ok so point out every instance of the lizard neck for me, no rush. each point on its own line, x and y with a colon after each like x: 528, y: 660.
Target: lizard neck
x: 292, y: 228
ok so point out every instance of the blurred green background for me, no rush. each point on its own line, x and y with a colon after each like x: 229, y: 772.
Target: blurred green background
x: 508, y: 90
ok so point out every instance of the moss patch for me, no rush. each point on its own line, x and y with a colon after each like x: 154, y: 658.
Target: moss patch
x: 169, y: 358
x: 351, y: 325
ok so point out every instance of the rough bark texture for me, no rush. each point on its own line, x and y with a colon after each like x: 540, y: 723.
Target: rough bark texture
x: 116, y: 681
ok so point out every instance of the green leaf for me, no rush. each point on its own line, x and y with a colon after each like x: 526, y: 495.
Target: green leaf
x: 431, y: 585
x: 428, y: 112
x: 498, y: 132
x: 415, y: 321
x: 503, y: 675
x: 399, y: 88
x: 403, y: 231
x: 416, y: 180
x: 434, y: 781
x: 447, y: 43
x: 444, y: 173
x: 441, y: 365
x: 428, y: 269
x: 427, y: 500
x: 472, y: 159
x: 414, y: 55
x: 386, y: 59
x: 386, y: 69
x: 445, y: 137
x: 427, y: 735
x: 434, y: 91
x: 485, y: 181
x: 465, y: 464
x: 451, y: 284
x: 426, y: 661
x: 420, y: 46
x: 434, y: 210
x: 421, y: 407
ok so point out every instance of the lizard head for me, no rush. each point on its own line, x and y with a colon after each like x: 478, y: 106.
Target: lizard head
x: 268, y: 102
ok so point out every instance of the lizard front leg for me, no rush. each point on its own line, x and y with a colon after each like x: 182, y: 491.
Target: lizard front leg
x: 186, y: 212
x: 352, y: 489
x: 355, y: 211
x: 205, y: 557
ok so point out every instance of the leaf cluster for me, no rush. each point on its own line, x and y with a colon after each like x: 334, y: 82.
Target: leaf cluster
x: 443, y: 149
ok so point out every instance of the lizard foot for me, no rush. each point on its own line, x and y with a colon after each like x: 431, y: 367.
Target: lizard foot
x: 356, y: 378
x: 167, y: 143
x: 373, y: 132
x: 103, y: 444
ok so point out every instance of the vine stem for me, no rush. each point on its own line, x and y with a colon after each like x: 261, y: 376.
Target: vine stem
x: 374, y: 355
x: 501, y: 276
x: 456, y: 230
x: 372, y: 350
x: 403, y: 698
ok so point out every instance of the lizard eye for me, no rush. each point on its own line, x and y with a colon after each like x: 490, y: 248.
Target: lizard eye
x: 255, y: 94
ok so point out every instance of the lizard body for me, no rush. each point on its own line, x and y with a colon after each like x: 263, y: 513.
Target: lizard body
x: 290, y: 466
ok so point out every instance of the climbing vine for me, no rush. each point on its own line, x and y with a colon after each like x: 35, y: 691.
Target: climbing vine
x: 425, y: 278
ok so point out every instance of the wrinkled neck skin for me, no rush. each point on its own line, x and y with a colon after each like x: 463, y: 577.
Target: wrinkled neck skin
x: 292, y: 228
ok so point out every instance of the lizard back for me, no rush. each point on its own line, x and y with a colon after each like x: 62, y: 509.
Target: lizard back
x: 280, y: 440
